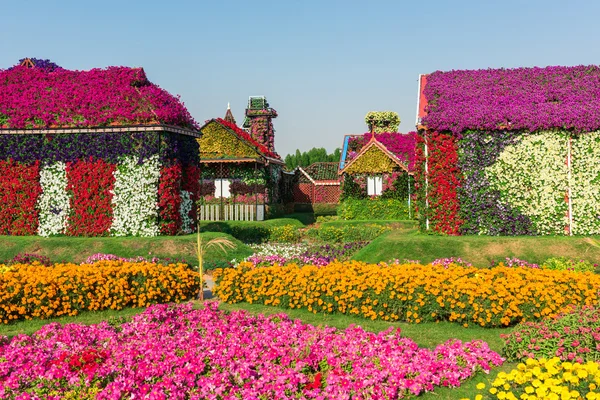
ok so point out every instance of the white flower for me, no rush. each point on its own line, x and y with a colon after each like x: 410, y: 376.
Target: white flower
x: 135, y: 205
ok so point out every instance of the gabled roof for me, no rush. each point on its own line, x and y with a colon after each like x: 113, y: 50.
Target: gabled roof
x: 371, y: 145
x: 400, y: 145
x: 229, y: 116
x: 42, y: 97
x: 321, y: 172
x: 530, y: 99
x: 245, y: 138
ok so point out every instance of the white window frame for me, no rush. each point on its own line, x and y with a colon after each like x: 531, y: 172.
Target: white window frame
x: 374, y: 185
x: 222, y: 187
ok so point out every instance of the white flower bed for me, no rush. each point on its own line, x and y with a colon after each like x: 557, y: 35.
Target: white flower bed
x: 54, y: 201
x: 135, y: 205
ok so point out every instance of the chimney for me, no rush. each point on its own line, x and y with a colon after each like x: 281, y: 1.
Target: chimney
x: 259, y: 121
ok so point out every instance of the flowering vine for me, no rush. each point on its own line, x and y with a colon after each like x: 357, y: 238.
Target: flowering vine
x: 169, y: 199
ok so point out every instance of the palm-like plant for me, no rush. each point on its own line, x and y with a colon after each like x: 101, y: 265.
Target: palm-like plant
x: 201, y: 247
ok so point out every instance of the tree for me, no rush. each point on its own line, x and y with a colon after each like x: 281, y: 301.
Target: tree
x: 316, y: 154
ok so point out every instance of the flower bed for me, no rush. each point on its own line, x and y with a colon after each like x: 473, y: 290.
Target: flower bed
x: 281, y: 253
x: 35, y: 291
x: 545, y: 379
x: 177, y: 352
x: 571, y: 336
x: 494, y: 297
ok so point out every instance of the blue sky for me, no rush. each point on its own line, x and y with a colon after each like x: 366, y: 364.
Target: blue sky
x: 322, y: 64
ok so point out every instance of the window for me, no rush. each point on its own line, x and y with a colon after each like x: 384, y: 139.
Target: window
x: 374, y: 185
x: 222, y: 188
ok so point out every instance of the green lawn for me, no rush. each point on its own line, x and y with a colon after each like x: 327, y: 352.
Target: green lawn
x: 77, y: 249
x: 479, y: 250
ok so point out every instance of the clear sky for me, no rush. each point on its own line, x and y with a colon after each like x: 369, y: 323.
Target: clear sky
x: 323, y: 64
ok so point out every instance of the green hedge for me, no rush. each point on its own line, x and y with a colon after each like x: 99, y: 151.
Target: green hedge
x: 249, y: 231
x: 376, y: 208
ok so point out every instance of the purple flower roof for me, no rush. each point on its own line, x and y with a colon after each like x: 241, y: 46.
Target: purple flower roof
x: 55, y: 97
x: 529, y: 99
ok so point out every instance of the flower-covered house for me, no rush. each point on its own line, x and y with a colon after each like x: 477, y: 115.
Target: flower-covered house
x: 94, y: 153
x: 241, y: 172
x: 510, y: 151
x: 319, y: 183
x: 377, y: 167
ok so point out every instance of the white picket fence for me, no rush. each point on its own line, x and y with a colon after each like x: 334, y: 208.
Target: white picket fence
x: 232, y: 212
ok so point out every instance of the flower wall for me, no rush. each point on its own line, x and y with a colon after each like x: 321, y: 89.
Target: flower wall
x: 525, y: 153
x: 98, y: 184
x: 506, y: 182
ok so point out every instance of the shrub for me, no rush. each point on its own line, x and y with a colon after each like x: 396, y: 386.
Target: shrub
x: 347, y: 233
x: 284, y: 234
x: 493, y: 297
x: 570, y: 336
x: 34, y: 291
x: 326, y: 218
x: 566, y: 264
x: 214, y: 264
x: 373, y: 208
x: 545, y: 379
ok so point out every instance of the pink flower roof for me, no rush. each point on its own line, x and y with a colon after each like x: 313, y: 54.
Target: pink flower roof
x: 529, y: 99
x: 121, y: 96
x: 401, y: 145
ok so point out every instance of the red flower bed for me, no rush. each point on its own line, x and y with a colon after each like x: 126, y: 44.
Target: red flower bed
x: 90, y: 184
x: 169, y: 199
x: 19, y: 191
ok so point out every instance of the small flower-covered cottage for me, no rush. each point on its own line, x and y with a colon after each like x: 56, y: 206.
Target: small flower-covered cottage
x: 376, y: 170
x: 510, y: 151
x: 319, y: 183
x: 94, y: 153
x: 241, y: 172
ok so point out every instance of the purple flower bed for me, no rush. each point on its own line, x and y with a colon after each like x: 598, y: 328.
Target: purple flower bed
x: 177, y: 352
x: 528, y: 99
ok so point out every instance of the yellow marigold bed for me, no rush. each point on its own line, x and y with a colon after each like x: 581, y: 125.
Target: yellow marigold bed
x: 36, y: 291
x: 499, y: 296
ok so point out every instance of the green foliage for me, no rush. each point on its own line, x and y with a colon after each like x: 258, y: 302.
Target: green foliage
x: 569, y: 336
x: 566, y: 264
x: 316, y: 154
x: 383, y: 121
x: 249, y: 231
x: 214, y: 264
x: 347, y: 233
x: 218, y: 142
x: 351, y: 189
x: 284, y: 234
x: 373, y: 208
x: 326, y: 218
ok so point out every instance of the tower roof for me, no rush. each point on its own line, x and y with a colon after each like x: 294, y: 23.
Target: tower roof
x: 229, y: 116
